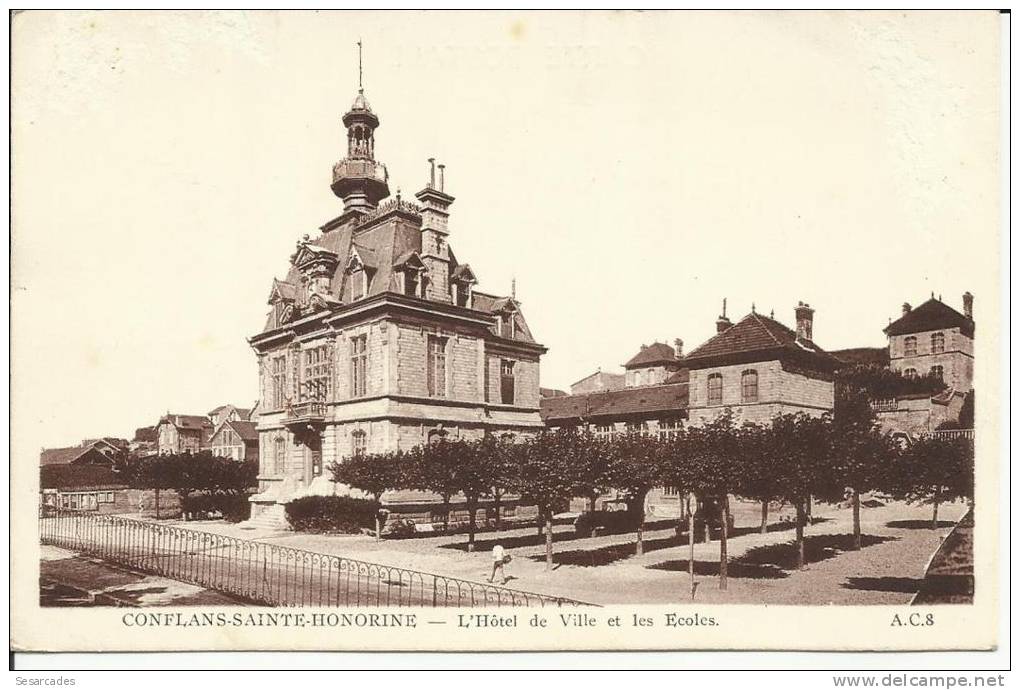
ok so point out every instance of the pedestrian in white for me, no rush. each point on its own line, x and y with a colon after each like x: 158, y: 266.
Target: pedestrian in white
x: 499, y: 559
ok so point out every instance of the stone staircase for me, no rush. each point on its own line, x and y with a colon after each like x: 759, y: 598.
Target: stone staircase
x: 269, y: 518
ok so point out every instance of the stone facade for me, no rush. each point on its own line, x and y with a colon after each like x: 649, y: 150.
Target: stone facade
x: 779, y: 391
x: 956, y: 357
x: 377, y: 340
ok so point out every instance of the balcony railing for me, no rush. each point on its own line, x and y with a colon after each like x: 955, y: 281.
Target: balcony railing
x: 360, y: 167
x: 951, y: 434
x: 306, y: 411
x: 885, y: 405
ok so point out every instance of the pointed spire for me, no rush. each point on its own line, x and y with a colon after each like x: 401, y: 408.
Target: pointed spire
x: 752, y: 308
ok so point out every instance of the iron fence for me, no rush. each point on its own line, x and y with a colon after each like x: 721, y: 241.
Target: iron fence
x: 268, y: 574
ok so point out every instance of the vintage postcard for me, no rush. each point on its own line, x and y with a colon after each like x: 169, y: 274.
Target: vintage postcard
x: 506, y: 330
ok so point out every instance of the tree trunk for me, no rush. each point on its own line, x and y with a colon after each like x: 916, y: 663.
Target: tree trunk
x: 640, y: 549
x: 539, y: 521
x: 807, y: 510
x: 592, y: 500
x: 548, y: 540
x: 690, y: 541
x: 857, y: 520
x: 446, y: 514
x: 497, y: 499
x: 801, y: 515
x: 472, y: 507
x: 724, y: 513
x: 765, y: 516
x: 935, y: 510
x: 157, y: 503
x: 378, y: 522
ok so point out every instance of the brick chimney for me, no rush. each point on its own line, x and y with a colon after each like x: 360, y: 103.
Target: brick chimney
x: 722, y: 323
x: 435, y: 214
x: 679, y: 346
x: 968, y: 305
x: 906, y: 308
x: 805, y: 320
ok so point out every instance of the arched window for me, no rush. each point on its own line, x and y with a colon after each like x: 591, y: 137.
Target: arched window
x: 279, y: 455
x: 909, y: 346
x: 910, y: 373
x: 937, y: 371
x: 359, y: 443
x: 715, y: 389
x: 938, y: 342
x: 749, y: 386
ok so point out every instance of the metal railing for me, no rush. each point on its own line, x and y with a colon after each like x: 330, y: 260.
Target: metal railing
x: 951, y: 434
x: 306, y: 409
x: 268, y: 573
x: 885, y: 405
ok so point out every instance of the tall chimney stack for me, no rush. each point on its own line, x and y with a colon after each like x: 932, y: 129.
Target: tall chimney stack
x: 722, y: 323
x: 805, y: 320
x: 968, y: 305
x: 906, y: 308
x: 442, y: 182
x: 679, y: 345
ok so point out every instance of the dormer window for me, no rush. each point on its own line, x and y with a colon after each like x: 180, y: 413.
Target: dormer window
x: 506, y: 325
x: 412, y: 285
x: 462, y: 295
x: 359, y: 284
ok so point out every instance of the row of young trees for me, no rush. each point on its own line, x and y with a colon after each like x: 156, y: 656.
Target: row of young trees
x: 792, y: 460
x: 187, y: 474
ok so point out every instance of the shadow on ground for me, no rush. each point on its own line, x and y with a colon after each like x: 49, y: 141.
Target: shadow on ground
x: 773, y: 561
x: 916, y: 524
x: 605, y: 555
x: 906, y: 585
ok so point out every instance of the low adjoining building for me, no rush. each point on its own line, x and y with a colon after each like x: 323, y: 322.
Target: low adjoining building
x: 235, y: 439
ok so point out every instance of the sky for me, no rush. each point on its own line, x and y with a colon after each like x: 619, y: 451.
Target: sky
x: 627, y: 170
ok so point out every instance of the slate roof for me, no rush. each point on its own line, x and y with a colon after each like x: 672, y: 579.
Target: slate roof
x: 643, y: 401
x: 382, y: 245
x: 757, y: 338
x: 862, y: 355
x: 930, y: 316
x: 79, y: 477
x: 656, y: 353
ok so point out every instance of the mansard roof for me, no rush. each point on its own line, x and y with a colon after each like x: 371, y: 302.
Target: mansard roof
x: 757, y: 338
x: 647, y: 401
x: 282, y: 290
x: 494, y: 305
x: 649, y: 355
x: 464, y: 274
x: 930, y: 316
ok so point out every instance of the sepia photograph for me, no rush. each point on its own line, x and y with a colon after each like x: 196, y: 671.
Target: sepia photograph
x: 438, y: 324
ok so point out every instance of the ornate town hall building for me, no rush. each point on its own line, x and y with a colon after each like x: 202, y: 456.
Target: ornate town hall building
x: 377, y: 338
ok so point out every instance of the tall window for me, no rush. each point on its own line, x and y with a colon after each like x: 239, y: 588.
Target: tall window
x: 278, y: 372
x: 506, y: 382
x: 937, y: 372
x: 411, y: 282
x: 359, y: 365
x: 506, y: 325
x: 749, y: 386
x: 279, y: 455
x: 909, y: 346
x: 668, y: 428
x: 910, y: 373
x: 436, y: 366
x: 359, y: 284
x: 938, y: 342
x: 715, y: 389
x: 316, y: 374
x: 359, y: 443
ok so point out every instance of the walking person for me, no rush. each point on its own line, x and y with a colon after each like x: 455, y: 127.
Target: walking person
x: 499, y: 559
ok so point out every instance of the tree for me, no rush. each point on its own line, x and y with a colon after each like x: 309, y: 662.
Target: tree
x: 634, y: 465
x: 715, y: 454
x: 499, y: 452
x: 934, y: 471
x: 678, y: 472
x: 436, y: 468
x: 759, y: 480
x: 373, y: 473
x: 548, y: 475
x: 800, y: 444
x: 594, y: 457
x: 860, y: 452
x: 474, y: 477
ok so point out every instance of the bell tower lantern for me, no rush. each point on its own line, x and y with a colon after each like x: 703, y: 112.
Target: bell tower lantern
x: 359, y: 179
